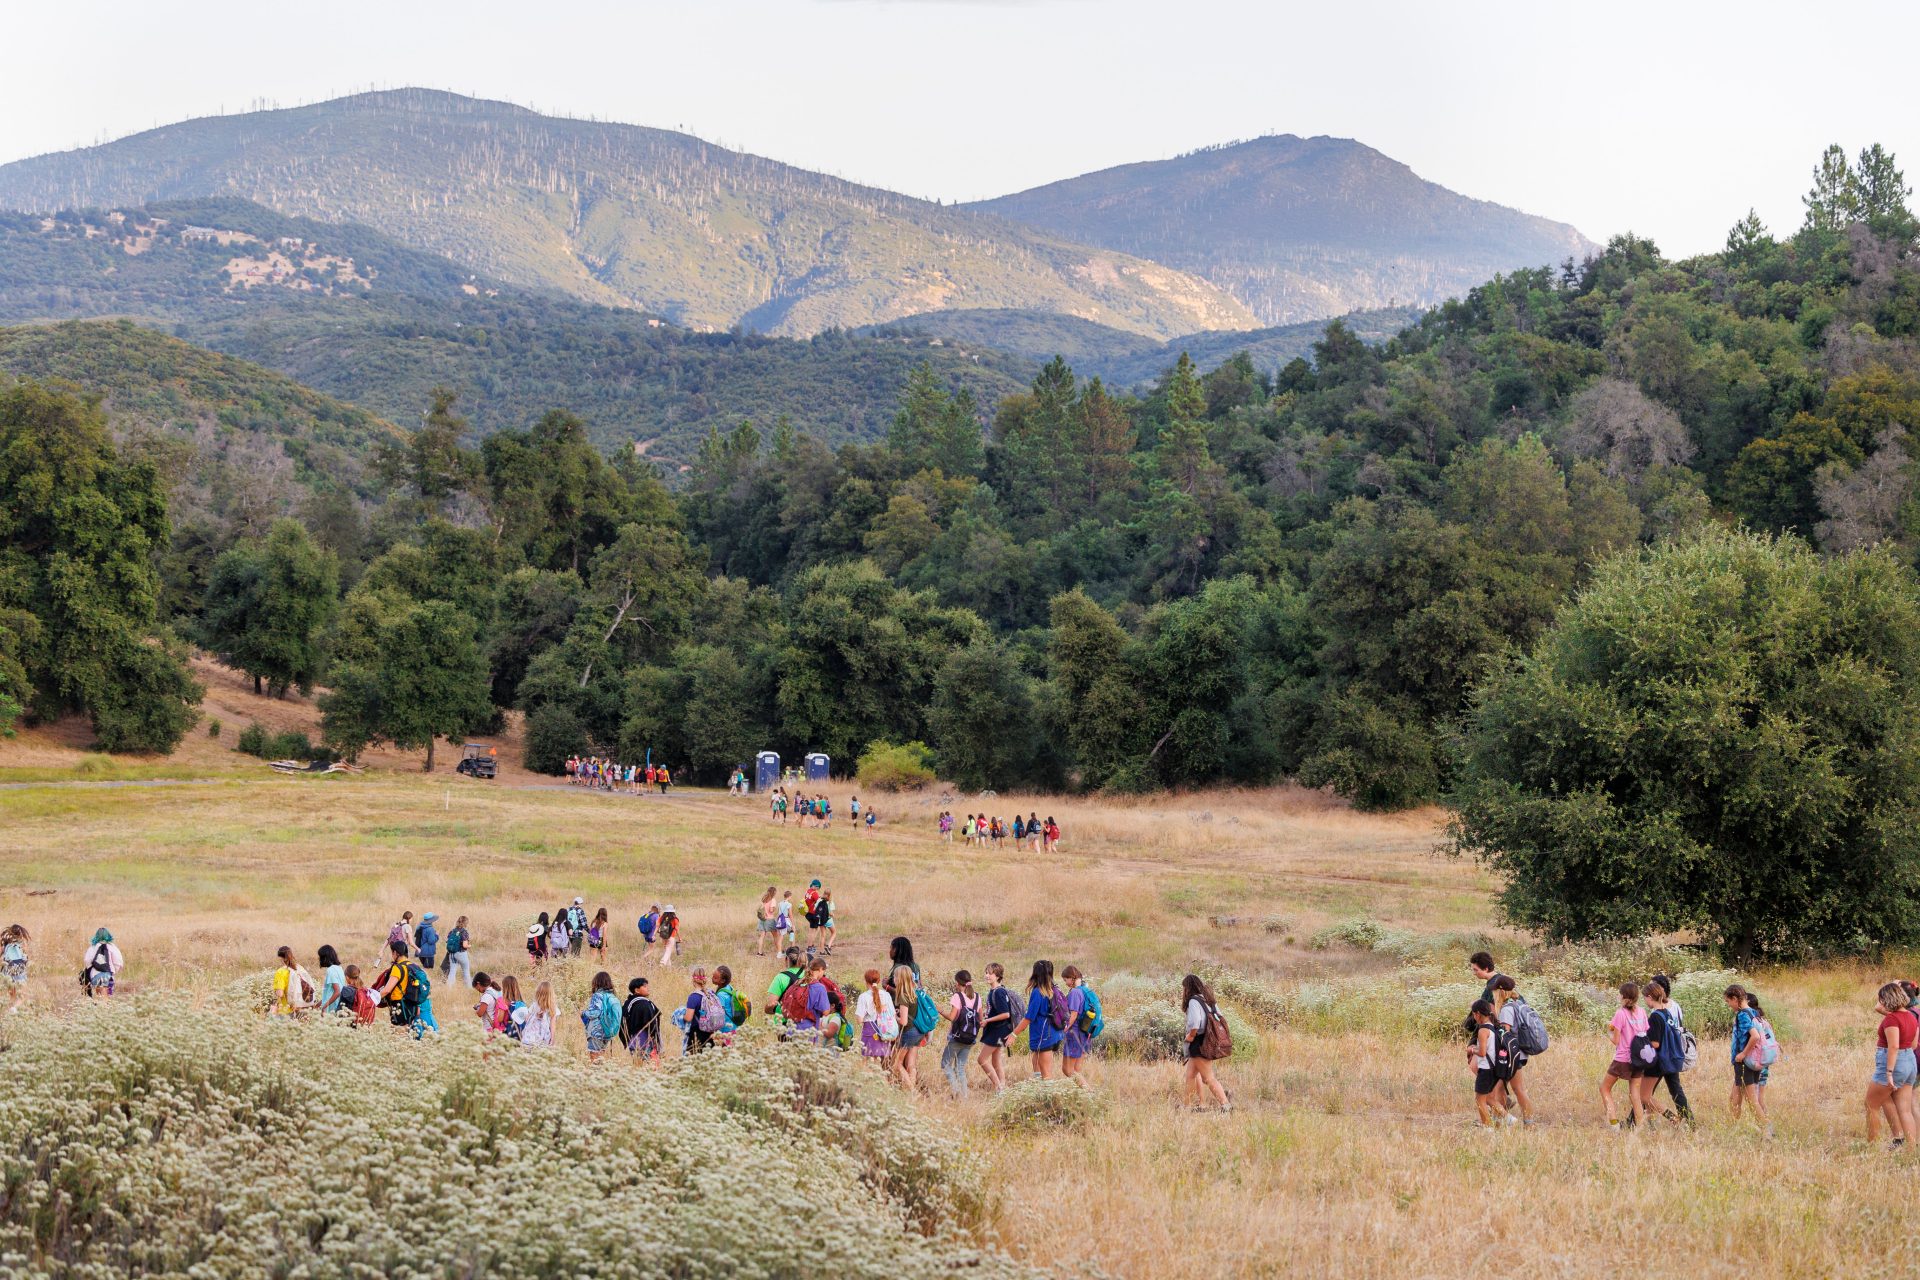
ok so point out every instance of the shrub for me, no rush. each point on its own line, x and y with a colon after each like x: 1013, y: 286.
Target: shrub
x: 1158, y: 1031
x: 1034, y: 1105
x: 1262, y: 1004
x: 1608, y: 962
x: 554, y: 732
x: 1353, y: 933
x: 252, y: 741
x: 289, y: 746
x: 886, y: 766
x: 213, y: 728
x: 96, y: 766
x: 168, y: 1154
x: 1704, y: 1007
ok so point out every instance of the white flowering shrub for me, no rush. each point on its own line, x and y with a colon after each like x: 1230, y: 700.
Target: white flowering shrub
x: 1349, y: 933
x: 1260, y: 1003
x: 1035, y: 1105
x: 1702, y: 1000
x: 150, y: 1135
x: 1156, y: 1031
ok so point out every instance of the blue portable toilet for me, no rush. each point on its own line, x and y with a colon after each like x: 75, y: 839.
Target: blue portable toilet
x: 818, y: 765
x: 766, y: 771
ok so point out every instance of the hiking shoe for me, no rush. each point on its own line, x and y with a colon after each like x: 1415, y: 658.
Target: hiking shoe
x: 1512, y: 1120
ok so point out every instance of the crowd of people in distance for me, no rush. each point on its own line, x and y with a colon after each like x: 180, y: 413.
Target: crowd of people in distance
x: 817, y: 810
x: 978, y: 828
x: 602, y: 774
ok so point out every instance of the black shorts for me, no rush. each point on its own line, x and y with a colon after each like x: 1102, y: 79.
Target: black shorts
x: 1485, y: 1081
x: 1745, y: 1076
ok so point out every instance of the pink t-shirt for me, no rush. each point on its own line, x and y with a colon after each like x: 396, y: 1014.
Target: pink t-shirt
x: 1627, y: 1023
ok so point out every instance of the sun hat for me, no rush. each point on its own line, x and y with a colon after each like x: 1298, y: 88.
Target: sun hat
x: 534, y: 931
x: 431, y: 915
x: 578, y: 901
x: 668, y: 907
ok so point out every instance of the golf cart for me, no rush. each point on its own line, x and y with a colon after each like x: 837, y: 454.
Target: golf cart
x: 477, y: 760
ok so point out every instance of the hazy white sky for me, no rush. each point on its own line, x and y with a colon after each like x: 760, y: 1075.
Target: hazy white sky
x: 1669, y: 119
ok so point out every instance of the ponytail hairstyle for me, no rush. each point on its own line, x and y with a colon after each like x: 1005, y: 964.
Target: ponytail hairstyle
x: 1629, y: 995
x: 1753, y: 1003
x: 1041, y: 979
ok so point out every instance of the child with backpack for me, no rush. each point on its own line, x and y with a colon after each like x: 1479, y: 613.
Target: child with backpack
x: 576, y: 917
x: 917, y: 1011
x: 1750, y: 1061
x: 597, y: 936
x: 1629, y: 1025
x: 293, y: 990
x: 963, y: 1032
x: 559, y: 935
x: 879, y: 1024
x: 828, y: 930
x: 1490, y: 1057
x: 459, y: 958
x: 1085, y: 1021
x: 996, y: 1027
x: 736, y: 1006
x: 649, y: 924
x: 426, y: 940
x: 1208, y: 1041
x: 783, y: 922
x: 1529, y: 1039
x: 356, y: 1001
x: 515, y: 1018
x: 537, y: 1020
x: 669, y: 930
x: 640, y: 1023
x: 489, y: 1008
x: 783, y: 981
x: 537, y: 941
x: 601, y: 1017
x: 13, y: 963
x: 701, y: 1017
x: 1045, y: 1020
x: 101, y: 965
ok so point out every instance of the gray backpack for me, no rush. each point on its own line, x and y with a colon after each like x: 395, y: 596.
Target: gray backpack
x: 1529, y: 1032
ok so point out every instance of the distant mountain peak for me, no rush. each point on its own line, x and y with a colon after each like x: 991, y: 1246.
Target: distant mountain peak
x: 1297, y: 228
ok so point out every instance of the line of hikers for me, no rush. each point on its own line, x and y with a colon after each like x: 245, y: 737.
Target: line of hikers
x: 602, y: 774
x: 817, y: 809
x: 979, y: 829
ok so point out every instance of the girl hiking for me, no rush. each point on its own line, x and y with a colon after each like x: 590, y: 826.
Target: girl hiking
x: 1076, y: 1041
x: 1628, y: 1029
x: 601, y: 1017
x: 1489, y: 1057
x: 649, y: 925
x: 783, y: 922
x: 879, y: 1023
x: 1034, y: 831
x: 766, y: 920
x: 903, y: 983
x: 333, y: 979
x: 1044, y: 1030
x: 996, y: 1027
x: 1750, y: 1061
x: 513, y: 1021
x: 701, y: 1017
x: 734, y: 1006
x: 669, y: 929
x: 459, y: 959
x: 538, y: 1019
x: 101, y: 964
x: 1506, y: 1013
x: 1890, y: 1088
x: 559, y: 936
x: 828, y: 930
x: 537, y: 941
x: 1208, y: 1041
x: 640, y: 1024
x: 1666, y: 1036
x: 597, y: 936
x: 293, y: 989
x: 13, y: 963
x: 962, y: 1014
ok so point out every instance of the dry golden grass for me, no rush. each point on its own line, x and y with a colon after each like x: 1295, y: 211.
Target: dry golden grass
x: 1349, y: 1154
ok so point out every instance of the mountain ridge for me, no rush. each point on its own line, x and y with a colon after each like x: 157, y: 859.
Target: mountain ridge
x: 621, y: 214
x: 1297, y: 228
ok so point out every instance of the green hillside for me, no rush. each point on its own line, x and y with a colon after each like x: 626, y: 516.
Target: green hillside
x: 366, y: 319
x: 1298, y: 228
x: 1128, y: 360
x: 622, y: 215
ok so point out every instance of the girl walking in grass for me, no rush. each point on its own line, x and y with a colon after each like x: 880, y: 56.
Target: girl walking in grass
x: 1035, y: 832
x: 1076, y: 1041
x: 333, y: 979
x: 1044, y: 1033
x: 538, y: 1019
x: 828, y: 929
x: 649, y: 926
x: 1629, y: 1025
x: 879, y: 1022
x: 559, y: 936
x: 669, y: 935
x: 903, y: 983
x: 514, y: 1020
x: 597, y: 936
x: 459, y: 962
x: 13, y: 963
x: 996, y: 1027
x: 1750, y: 1066
x: 537, y: 940
x: 783, y: 922
x: 1506, y: 1013
x: 1484, y: 1060
x: 1208, y: 1041
x: 1890, y: 1089
x: 1665, y: 1035
x: 766, y: 920
x: 963, y: 1032
x: 601, y: 1017
x: 101, y: 964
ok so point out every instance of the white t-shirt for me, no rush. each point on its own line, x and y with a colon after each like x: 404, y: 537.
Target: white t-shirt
x: 1196, y: 1015
x: 887, y: 1019
x: 1480, y: 1060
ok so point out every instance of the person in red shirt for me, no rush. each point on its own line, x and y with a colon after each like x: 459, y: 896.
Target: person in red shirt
x: 1890, y: 1090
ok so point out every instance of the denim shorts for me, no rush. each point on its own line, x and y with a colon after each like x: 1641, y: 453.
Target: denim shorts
x: 1905, y: 1068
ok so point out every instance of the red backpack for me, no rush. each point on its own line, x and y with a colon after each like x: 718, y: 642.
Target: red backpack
x: 358, y: 1001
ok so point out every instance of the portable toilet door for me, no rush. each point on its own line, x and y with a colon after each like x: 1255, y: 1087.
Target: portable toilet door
x: 817, y: 766
x: 766, y: 771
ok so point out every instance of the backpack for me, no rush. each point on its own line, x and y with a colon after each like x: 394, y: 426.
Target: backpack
x: 926, y: 1014
x: 1216, y: 1040
x: 498, y: 1013
x: 606, y: 1016
x: 1093, y: 1019
x: 306, y: 986
x: 1769, y: 1047
x: 1689, y: 1049
x: 793, y: 1002
x: 966, y: 1027
x: 1059, y: 1012
x: 418, y: 986
x: 358, y: 1001
x: 1672, y: 1054
x: 735, y: 1004
x: 515, y: 1024
x: 397, y: 989
x: 397, y: 934
x: 101, y: 961
x: 1529, y: 1031
x: 712, y: 1017
x: 1501, y: 1060
x: 777, y: 1004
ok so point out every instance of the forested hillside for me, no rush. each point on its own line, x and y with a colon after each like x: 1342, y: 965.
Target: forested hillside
x: 1235, y: 576
x: 622, y: 215
x: 1298, y: 228
x: 355, y: 314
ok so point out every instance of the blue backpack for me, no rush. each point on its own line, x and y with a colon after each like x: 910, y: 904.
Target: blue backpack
x: 418, y: 986
x: 926, y: 1014
x: 1093, y: 1019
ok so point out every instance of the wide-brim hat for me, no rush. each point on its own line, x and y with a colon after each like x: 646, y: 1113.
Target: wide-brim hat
x: 534, y: 931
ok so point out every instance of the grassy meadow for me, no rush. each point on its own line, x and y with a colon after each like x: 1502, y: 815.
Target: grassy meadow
x: 1351, y: 1150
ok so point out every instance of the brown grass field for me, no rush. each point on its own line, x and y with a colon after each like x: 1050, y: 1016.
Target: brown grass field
x: 1352, y: 1151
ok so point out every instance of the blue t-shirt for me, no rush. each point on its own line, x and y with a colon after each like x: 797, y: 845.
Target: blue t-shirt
x: 1742, y: 1028
x: 1042, y: 1035
x: 819, y: 1005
